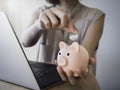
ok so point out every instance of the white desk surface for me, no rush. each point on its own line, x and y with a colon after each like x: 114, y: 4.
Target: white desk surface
x: 8, y: 86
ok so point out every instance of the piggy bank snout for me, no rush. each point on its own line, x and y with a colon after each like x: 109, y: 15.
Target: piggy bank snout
x: 62, y: 61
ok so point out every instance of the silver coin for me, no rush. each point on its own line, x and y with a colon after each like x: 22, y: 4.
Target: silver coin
x: 73, y: 37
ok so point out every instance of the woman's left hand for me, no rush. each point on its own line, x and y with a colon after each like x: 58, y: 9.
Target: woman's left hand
x: 69, y: 76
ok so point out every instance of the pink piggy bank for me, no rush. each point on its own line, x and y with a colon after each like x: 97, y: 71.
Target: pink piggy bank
x: 72, y: 57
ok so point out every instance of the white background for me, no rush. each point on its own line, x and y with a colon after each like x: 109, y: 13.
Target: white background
x: 108, y: 65
x: 108, y: 55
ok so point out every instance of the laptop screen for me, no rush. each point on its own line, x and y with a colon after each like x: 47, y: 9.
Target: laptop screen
x: 14, y: 67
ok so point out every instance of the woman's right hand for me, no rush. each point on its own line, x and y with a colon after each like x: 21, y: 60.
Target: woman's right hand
x: 55, y: 18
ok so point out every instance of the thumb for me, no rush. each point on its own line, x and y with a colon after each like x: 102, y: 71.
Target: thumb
x: 56, y: 62
x: 92, y: 60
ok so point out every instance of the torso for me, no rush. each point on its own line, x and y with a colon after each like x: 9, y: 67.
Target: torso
x: 82, y: 17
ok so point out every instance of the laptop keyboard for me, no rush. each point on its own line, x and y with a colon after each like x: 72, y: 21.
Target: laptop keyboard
x: 46, y: 74
x: 39, y: 73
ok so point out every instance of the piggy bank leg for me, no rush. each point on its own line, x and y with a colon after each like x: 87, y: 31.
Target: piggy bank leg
x: 87, y: 83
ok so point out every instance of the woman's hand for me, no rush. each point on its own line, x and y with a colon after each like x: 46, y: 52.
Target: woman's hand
x: 69, y: 76
x: 55, y: 18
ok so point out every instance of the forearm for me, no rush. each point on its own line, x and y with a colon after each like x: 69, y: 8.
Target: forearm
x: 93, y: 36
x: 31, y: 35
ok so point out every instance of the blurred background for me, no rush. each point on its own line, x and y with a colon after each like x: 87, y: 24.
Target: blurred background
x: 108, y: 55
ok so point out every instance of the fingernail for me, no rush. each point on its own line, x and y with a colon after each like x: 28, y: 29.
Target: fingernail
x: 75, y: 32
x: 86, y: 70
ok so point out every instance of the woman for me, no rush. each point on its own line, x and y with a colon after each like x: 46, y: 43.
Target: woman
x: 69, y: 21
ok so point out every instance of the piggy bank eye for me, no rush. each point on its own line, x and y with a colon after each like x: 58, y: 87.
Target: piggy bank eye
x: 59, y: 53
x: 68, y: 54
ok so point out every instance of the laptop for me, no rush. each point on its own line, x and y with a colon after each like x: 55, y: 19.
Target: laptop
x: 14, y: 65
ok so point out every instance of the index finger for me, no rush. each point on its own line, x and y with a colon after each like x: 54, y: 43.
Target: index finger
x: 71, y: 77
x: 72, y: 27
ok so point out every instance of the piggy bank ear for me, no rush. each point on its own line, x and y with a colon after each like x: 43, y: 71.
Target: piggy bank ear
x: 76, y: 46
x: 62, y: 44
